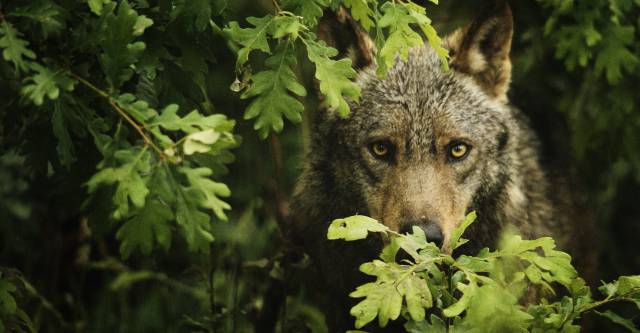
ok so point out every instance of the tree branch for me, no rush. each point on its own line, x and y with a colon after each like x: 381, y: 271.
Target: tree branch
x: 148, y: 141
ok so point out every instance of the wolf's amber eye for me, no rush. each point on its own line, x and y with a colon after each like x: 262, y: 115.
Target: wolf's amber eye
x: 380, y: 149
x: 458, y: 151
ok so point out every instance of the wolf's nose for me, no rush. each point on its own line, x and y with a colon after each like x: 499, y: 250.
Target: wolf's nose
x: 431, y: 230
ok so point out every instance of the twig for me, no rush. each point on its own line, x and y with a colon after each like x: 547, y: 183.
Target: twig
x: 212, y: 289
x: 276, y: 5
x: 116, y: 266
x: 148, y: 141
x: 280, y: 202
x: 45, y: 303
x: 236, y: 289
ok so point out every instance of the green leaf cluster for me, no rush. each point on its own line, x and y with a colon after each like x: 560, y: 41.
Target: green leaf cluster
x: 8, y: 304
x: 159, y: 170
x: 275, y: 89
x: 600, y: 31
x: 174, y: 184
x: 489, y: 292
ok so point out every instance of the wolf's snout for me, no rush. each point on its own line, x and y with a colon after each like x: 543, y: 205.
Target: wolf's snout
x: 431, y: 230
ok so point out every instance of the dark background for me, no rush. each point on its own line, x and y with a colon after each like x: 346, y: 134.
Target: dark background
x: 589, y: 128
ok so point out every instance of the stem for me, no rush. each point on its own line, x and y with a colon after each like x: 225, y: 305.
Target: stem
x: 46, y: 304
x: 212, y: 289
x: 148, y: 141
x: 277, y: 6
x: 280, y: 202
x: 236, y: 289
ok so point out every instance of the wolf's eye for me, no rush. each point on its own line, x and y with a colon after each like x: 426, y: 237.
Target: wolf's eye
x: 380, y: 149
x: 458, y: 151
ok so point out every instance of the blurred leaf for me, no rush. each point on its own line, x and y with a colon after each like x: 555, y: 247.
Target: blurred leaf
x: 126, y: 279
x: 97, y: 5
x: 65, y: 148
x: 398, y: 19
x: 14, y: 48
x: 361, y: 11
x: 310, y: 10
x: 7, y: 302
x: 120, y: 51
x: 129, y: 178
x: 454, y: 240
x: 626, y: 323
x: 210, y: 191
x: 616, y: 55
x: 46, y: 83
x: 150, y: 223
x: 48, y: 15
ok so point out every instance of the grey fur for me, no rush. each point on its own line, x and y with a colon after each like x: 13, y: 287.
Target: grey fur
x: 423, y: 109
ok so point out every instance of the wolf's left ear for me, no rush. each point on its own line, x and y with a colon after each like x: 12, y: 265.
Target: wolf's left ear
x: 481, y: 50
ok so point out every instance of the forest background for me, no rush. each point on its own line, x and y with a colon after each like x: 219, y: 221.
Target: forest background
x: 97, y: 94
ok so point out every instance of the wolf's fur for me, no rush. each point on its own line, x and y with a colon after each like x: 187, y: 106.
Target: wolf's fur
x: 420, y: 110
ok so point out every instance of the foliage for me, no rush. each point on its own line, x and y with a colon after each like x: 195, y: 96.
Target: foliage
x: 118, y: 127
x: 489, y: 292
x: 597, y: 40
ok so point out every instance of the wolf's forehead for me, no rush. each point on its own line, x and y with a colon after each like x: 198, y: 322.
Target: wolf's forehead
x: 418, y: 103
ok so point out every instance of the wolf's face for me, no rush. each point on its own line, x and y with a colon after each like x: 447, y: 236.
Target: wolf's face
x: 423, y: 147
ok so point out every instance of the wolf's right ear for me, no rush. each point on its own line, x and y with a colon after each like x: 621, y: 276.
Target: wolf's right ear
x: 339, y: 30
x: 481, y: 49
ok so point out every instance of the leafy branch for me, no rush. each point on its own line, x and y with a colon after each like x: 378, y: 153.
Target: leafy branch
x: 493, y: 284
x: 275, y: 90
x: 148, y: 141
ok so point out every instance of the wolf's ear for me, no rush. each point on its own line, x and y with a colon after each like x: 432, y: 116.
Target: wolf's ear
x: 339, y: 30
x: 481, y: 49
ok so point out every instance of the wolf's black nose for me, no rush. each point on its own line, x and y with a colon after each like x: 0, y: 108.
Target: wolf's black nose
x: 431, y: 230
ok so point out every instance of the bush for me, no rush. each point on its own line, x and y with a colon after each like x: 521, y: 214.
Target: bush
x: 522, y: 286
x: 119, y: 121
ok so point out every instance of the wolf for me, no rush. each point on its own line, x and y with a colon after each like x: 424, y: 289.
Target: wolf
x: 424, y: 147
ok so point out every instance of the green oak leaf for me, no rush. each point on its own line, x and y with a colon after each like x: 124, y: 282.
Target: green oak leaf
x: 616, y: 318
x: 129, y: 177
x: 382, y: 300
x: 454, y: 240
x: 398, y: 19
x: 97, y: 5
x: 272, y: 92
x: 137, y: 109
x: 120, y: 50
x: 8, y: 304
x: 616, y: 54
x: 361, y: 11
x: 310, y: 10
x: 153, y: 222
x: 334, y: 76
x: 433, y: 325
x: 200, y: 142
x: 60, y: 127
x: 195, y: 224
x: 47, y: 15
x: 46, y: 83
x: 251, y: 38
x: 209, y: 191
x: 354, y: 228
x: 14, y: 48
x: 203, y: 134
x: 195, y: 14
